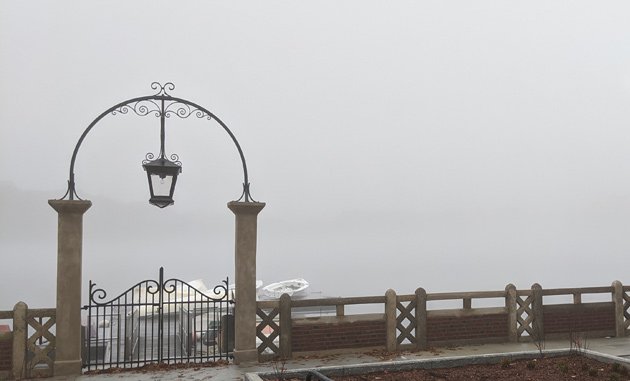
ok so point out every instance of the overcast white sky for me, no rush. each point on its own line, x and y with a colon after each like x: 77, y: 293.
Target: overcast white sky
x: 450, y: 145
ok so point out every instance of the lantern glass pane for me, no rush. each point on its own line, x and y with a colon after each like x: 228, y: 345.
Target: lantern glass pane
x: 161, y: 185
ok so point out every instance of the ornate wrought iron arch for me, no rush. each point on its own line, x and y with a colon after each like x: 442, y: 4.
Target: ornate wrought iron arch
x: 162, y: 105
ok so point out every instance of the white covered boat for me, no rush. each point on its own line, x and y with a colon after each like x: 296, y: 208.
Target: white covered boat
x: 293, y: 287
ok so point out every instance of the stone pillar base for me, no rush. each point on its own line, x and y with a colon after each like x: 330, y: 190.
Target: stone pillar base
x: 245, y: 356
x: 68, y: 368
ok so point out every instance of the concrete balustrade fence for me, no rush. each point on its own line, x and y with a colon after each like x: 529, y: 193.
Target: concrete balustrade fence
x: 404, y: 322
x: 6, y: 353
x: 28, y: 350
x: 407, y: 323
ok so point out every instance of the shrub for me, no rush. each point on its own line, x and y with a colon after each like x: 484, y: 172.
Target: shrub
x: 618, y: 368
x: 564, y: 368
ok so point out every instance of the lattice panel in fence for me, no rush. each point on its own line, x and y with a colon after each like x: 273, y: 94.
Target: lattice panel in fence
x: 525, y: 316
x: 626, y: 312
x: 406, y: 323
x: 40, y: 346
x: 268, y: 331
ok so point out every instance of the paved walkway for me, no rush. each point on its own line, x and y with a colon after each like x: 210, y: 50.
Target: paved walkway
x: 619, y: 347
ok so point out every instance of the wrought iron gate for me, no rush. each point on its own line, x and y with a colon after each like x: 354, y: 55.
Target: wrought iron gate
x: 165, y: 321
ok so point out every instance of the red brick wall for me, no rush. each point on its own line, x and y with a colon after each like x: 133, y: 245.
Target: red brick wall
x: 6, y: 351
x: 567, y: 318
x: 338, y: 335
x: 467, y: 328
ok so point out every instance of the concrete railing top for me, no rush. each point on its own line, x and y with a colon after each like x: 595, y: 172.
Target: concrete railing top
x: 6, y: 314
x: 465, y: 295
x: 581, y: 290
x: 31, y: 312
x: 325, y: 302
x: 341, y: 301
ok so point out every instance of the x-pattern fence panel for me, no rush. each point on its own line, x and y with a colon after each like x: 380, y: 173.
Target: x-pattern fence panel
x: 268, y: 331
x: 40, y: 344
x: 406, y: 323
x: 626, y: 312
x: 525, y: 316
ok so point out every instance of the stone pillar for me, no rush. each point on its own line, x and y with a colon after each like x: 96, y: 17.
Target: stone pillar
x: 245, y: 272
x: 617, y: 296
x: 538, y: 325
x: 511, y: 307
x: 20, y: 335
x: 285, y: 327
x: 69, y: 250
x: 390, y: 321
x: 421, y: 319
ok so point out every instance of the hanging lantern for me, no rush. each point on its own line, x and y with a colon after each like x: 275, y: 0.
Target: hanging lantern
x: 162, y: 175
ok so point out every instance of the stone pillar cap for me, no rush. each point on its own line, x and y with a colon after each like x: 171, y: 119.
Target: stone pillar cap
x: 239, y: 207
x: 70, y: 206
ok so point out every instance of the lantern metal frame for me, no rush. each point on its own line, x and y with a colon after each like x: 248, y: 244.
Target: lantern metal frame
x: 162, y: 168
x: 162, y: 105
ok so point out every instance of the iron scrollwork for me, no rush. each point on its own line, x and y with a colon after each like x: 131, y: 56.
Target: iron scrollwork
x: 150, y: 156
x: 169, y: 107
x: 221, y: 291
x: 140, y: 108
x: 97, y: 295
x: 183, y: 111
x: 162, y: 105
x: 148, y: 106
x: 162, y: 88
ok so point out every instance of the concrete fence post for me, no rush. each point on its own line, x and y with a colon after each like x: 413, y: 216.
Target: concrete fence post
x: 511, y: 308
x: 69, y: 266
x: 246, y: 226
x: 617, y: 296
x: 285, y: 327
x: 20, y: 335
x: 390, y: 320
x: 421, y: 319
x: 538, y: 325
